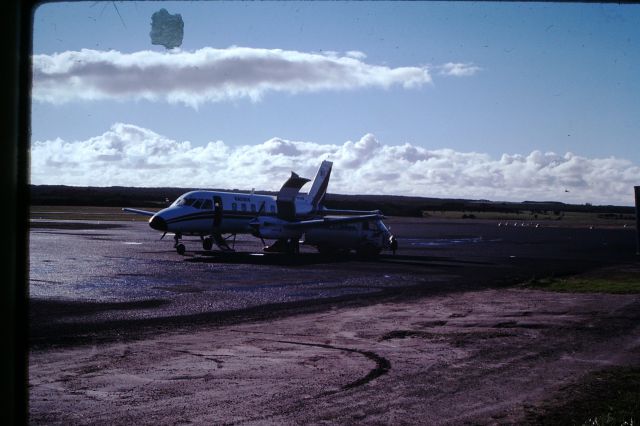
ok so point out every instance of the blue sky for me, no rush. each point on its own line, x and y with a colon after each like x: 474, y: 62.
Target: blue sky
x: 540, y: 79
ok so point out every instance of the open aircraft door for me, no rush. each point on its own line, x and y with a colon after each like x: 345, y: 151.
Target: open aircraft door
x: 217, y: 212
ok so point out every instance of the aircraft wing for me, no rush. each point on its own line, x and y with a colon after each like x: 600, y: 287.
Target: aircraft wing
x: 136, y: 211
x: 329, y: 221
x: 329, y: 212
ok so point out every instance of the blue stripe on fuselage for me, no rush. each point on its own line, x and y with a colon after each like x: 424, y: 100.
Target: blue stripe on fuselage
x: 209, y: 214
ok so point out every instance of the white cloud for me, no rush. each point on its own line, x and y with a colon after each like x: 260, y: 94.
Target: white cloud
x: 129, y: 155
x: 459, y: 69
x: 356, y: 54
x: 207, y: 74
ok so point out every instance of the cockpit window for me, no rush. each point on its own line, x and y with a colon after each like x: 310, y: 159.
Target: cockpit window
x: 184, y: 202
x: 198, y: 204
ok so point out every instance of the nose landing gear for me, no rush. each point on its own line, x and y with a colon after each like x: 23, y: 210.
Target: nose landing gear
x: 178, y: 245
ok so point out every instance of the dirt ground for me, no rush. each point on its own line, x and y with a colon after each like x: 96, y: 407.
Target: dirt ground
x: 480, y: 357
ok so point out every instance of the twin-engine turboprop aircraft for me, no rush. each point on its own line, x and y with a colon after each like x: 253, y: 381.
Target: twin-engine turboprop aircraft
x: 289, y: 218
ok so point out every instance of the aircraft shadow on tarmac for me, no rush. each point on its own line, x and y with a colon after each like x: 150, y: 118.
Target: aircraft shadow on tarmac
x: 249, y: 258
x: 46, y: 309
x: 303, y: 259
x: 417, y: 260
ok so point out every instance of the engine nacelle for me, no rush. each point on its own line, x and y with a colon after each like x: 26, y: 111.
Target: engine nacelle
x: 367, y: 237
x: 272, y: 228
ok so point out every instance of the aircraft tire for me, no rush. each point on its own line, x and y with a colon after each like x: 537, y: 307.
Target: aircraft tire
x: 207, y: 243
x: 180, y: 249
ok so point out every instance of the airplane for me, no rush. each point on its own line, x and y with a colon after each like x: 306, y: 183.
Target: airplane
x: 290, y: 218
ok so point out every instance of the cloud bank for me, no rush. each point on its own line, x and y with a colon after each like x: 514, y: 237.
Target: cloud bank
x: 207, y: 74
x: 129, y: 155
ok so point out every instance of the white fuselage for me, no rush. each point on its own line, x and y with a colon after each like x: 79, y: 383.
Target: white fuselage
x: 201, y: 212
x: 286, y: 218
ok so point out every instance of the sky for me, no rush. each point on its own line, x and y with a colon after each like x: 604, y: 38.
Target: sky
x: 499, y: 101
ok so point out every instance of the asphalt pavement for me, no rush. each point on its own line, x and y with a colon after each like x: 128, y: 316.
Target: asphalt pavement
x: 106, y: 279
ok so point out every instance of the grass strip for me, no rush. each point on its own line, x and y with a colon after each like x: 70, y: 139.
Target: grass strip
x: 605, y: 397
x: 614, y: 285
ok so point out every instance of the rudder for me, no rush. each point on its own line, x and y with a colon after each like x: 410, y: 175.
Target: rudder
x: 320, y: 183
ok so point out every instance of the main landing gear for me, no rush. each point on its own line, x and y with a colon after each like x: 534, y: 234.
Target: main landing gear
x: 218, y: 240
x: 284, y: 245
x: 207, y: 243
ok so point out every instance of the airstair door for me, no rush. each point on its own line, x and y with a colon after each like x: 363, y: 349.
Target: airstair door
x: 217, y: 211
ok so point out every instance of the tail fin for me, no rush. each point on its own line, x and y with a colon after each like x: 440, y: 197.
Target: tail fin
x: 320, y: 182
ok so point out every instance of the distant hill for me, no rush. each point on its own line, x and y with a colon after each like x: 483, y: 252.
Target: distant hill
x: 392, y: 205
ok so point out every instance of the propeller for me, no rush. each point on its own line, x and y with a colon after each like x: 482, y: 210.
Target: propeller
x: 255, y: 224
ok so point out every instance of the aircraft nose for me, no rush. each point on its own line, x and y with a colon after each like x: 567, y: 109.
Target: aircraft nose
x: 158, y: 223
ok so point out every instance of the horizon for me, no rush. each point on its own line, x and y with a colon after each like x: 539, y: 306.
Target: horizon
x: 504, y: 101
x: 329, y: 193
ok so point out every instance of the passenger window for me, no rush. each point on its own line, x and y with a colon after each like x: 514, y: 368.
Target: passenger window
x: 244, y: 207
x: 208, y: 205
x: 188, y: 201
x: 234, y: 206
x: 197, y: 204
x: 253, y: 207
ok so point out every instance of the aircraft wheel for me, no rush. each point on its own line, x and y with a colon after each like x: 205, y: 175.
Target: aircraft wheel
x: 207, y: 243
x: 180, y: 249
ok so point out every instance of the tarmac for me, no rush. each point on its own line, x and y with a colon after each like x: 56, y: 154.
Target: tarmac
x: 124, y: 329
